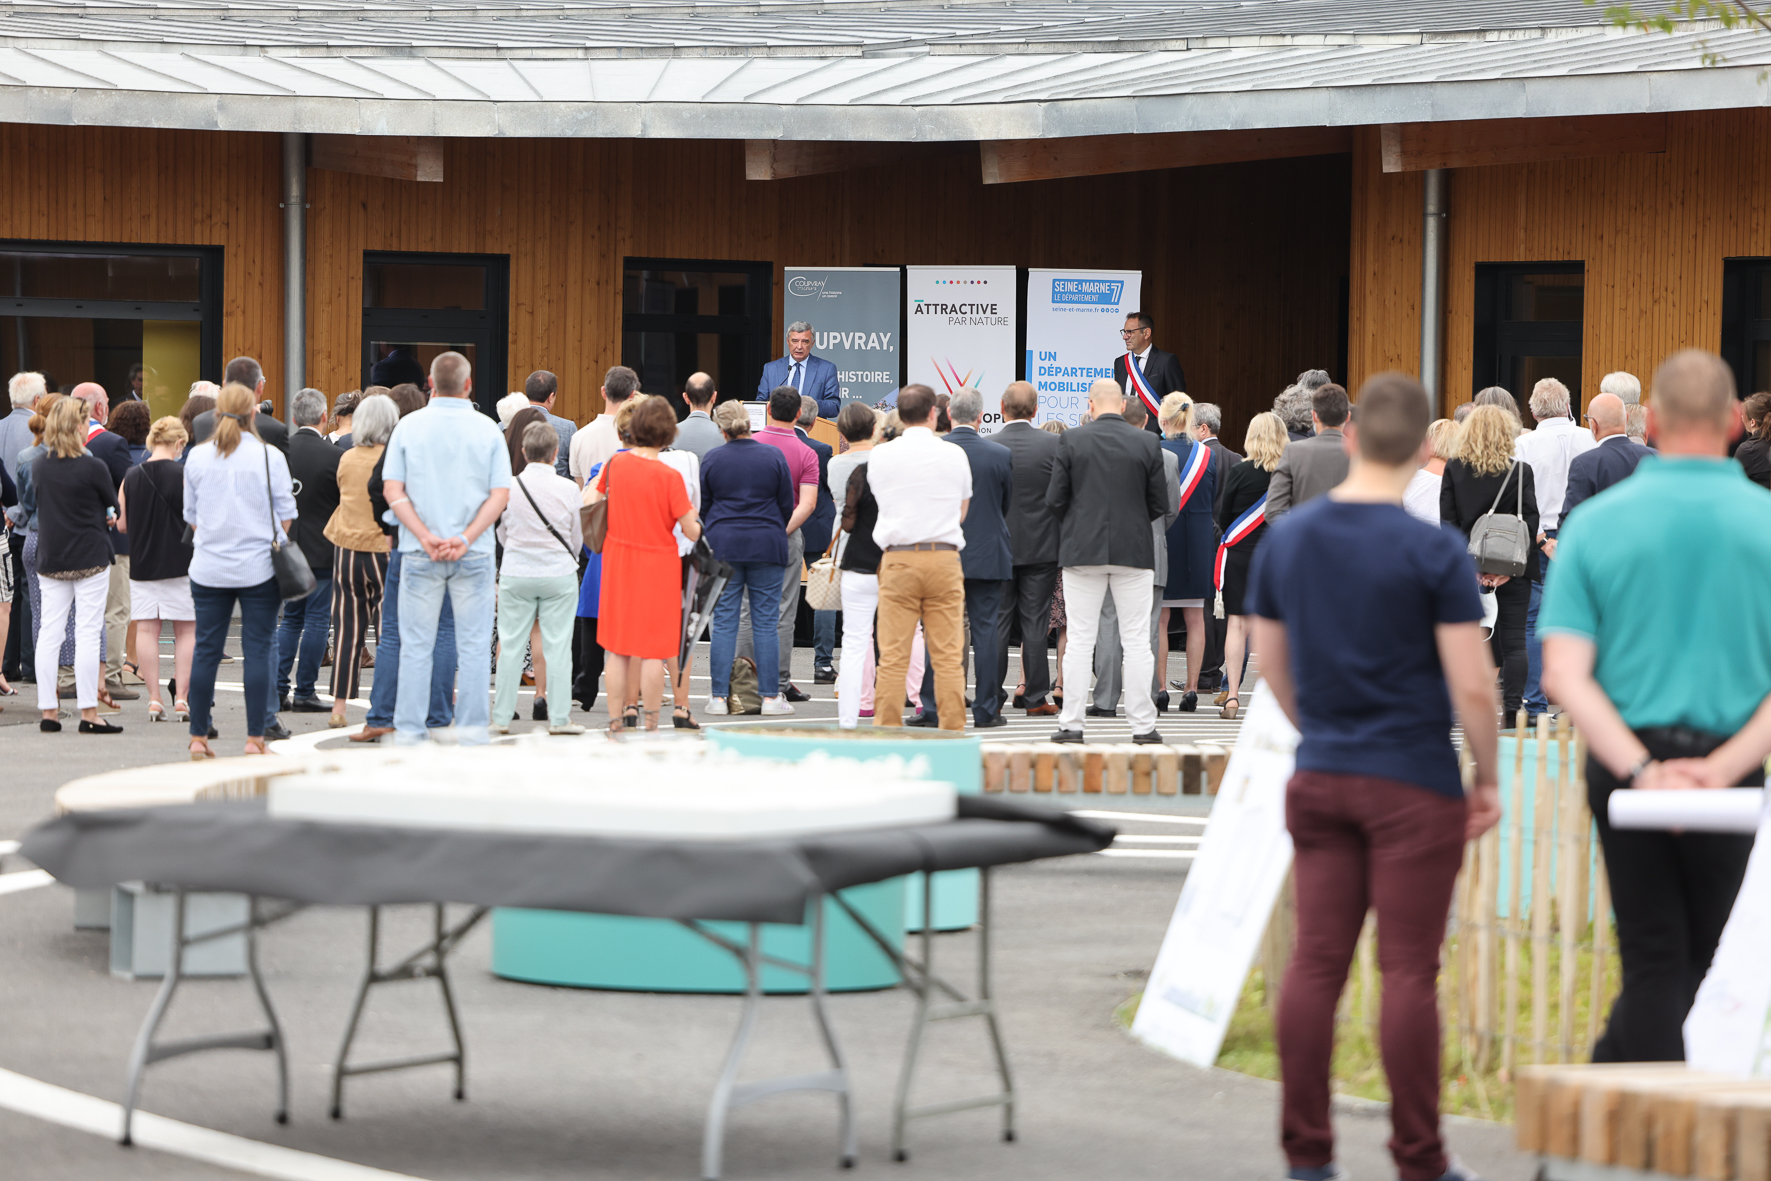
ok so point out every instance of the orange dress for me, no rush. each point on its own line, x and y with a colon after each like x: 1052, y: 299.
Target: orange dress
x: 642, y: 597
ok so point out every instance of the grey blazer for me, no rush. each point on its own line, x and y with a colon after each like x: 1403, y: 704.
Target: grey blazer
x: 1171, y: 470
x: 1308, y: 468
x: 697, y: 433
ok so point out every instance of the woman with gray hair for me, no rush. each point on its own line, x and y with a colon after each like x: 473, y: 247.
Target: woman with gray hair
x: 1293, y: 409
x: 360, y: 548
x: 538, y: 581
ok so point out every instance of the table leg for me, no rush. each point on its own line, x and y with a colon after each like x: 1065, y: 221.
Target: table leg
x: 429, y: 962
x: 147, y: 1051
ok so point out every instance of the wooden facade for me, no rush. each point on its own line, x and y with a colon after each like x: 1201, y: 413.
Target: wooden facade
x: 1244, y: 265
x: 1652, y: 229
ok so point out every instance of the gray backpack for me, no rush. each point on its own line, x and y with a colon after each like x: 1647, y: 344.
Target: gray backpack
x: 1501, y: 542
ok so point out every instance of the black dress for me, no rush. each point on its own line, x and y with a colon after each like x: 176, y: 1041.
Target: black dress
x: 1463, y: 497
x: 1243, y: 487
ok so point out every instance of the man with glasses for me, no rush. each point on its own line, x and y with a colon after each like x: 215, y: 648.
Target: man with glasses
x: 1145, y: 372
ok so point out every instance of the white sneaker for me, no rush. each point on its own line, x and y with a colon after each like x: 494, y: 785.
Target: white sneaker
x: 716, y: 706
x: 566, y: 728
x: 776, y: 705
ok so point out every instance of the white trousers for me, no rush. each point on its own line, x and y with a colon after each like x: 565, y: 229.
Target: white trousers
x: 86, y: 599
x: 1085, y: 589
x: 860, y: 600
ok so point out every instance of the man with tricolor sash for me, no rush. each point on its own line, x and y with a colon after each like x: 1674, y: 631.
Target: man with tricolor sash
x: 1146, y: 373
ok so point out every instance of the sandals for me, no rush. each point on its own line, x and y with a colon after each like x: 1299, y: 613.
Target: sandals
x: 181, y: 709
x: 682, y: 719
x: 1231, y: 705
x: 255, y: 746
x: 156, y: 710
x: 652, y: 720
x: 630, y: 717
x: 617, y: 728
x: 200, y: 750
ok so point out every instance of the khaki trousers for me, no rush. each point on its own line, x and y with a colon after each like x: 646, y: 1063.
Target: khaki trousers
x: 925, y: 585
x: 116, y: 621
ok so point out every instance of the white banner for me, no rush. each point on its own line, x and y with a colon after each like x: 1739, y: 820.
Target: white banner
x: 962, y: 332
x: 1729, y: 1027
x: 1073, y: 323
x: 1228, y: 896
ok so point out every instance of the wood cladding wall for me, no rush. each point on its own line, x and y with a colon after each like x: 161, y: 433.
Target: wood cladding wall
x: 1244, y: 264
x: 183, y: 188
x: 1653, y: 231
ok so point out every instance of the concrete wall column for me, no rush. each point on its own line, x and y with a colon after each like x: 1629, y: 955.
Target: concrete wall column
x: 294, y: 265
x: 1432, y: 286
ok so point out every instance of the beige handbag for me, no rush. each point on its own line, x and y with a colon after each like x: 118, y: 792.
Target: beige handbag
x: 824, y: 580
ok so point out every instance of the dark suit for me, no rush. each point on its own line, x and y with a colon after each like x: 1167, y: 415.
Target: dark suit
x: 301, y: 636
x: 1597, y: 468
x: 1162, y: 372
x: 113, y: 449
x: 1033, y: 541
x: 269, y: 429
x: 822, y: 523
x: 988, y: 563
x: 1107, y: 486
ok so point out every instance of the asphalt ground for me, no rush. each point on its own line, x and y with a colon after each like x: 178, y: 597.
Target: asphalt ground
x: 586, y: 1084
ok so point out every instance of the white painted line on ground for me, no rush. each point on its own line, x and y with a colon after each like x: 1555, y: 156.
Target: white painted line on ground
x: 1137, y: 840
x: 86, y: 1113
x: 1176, y: 854
x: 30, y: 879
x: 1201, y: 821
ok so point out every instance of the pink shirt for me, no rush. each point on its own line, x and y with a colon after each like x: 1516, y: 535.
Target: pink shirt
x: 802, y: 461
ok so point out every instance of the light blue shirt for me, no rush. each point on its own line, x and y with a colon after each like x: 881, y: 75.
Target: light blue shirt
x: 15, y: 436
x: 450, y: 457
x: 231, y: 505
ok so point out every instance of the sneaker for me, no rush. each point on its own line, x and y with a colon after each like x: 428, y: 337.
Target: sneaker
x: 1328, y: 1172
x: 824, y: 676
x: 716, y: 707
x: 776, y: 706
x: 566, y: 728
x: 793, y: 693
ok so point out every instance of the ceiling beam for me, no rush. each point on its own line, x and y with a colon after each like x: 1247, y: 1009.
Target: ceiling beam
x: 782, y: 159
x: 400, y: 157
x: 1414, y: 147
x: 1008, y: 161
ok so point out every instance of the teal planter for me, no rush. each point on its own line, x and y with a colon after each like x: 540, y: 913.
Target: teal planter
x: 954, y: 757
x: 1521, y: 799
x: 655, y: 955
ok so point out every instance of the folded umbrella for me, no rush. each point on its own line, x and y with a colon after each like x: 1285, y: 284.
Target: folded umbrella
x: 704, y: 580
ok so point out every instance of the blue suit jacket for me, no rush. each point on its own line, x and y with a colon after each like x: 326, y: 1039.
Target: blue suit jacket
x: 987, y: 552
x: 819, y: 382
x: 822, y: 523
x: 1597, y: 468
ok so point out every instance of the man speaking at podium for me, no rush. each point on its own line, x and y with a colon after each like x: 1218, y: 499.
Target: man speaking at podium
x: 1152, y: 373
x: 813, y: 377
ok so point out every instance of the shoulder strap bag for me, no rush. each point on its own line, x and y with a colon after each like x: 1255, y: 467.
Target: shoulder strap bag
x: 544, y: 521
x: 1500, y: 542
x: 593, y: 519
x: 824, y: 580
x: 295, y: 580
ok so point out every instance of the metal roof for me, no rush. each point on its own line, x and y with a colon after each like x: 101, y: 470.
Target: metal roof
x: 844, y: 69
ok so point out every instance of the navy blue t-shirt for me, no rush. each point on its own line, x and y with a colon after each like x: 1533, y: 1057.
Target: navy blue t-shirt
x: 1360, y: 588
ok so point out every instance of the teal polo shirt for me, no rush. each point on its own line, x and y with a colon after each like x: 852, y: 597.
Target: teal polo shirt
x: 1669, y: 574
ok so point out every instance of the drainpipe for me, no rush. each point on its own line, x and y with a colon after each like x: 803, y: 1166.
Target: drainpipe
x: 1432, y: 286
x: 294, y: 206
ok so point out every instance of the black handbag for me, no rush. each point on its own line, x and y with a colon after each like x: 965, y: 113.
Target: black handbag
x: 295, y: 578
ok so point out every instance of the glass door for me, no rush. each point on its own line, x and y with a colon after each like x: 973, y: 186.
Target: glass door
x: 1529, y: 322
x: 1746, y: 322
x: 418, y: 305
x: 687, y: 316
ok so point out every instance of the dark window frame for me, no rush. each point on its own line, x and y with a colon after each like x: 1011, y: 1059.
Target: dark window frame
x: 755, y: 326
x: 1744, y: 321
x: 206, y: 311
x: 1496, y: 340
x: 492, y: 322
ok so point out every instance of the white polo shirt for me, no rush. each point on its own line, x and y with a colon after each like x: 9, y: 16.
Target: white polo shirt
x: 920, y: 481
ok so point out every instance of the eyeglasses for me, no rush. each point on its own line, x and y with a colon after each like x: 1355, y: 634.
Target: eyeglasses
x: 1132, y: 331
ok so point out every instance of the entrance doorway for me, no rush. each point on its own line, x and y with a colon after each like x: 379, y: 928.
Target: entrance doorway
x: 684, y: 316
x: 144, y: 322
x: 1529, y: 320
x: 416, y: 306
x: 1746, y: 322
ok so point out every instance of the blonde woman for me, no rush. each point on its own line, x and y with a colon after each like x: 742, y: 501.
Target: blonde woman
x: 1192, y: 543
x: 1483, y: 474
x: 1244, y: 499
x: 76, y: 508
x: 151, y: 511
x: 1421, y: 497
x: 238, y: 498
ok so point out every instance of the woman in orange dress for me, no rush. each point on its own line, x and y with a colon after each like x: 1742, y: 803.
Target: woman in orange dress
x: 640, y: 623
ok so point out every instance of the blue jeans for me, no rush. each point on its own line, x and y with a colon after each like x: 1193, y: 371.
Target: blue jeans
x: 258, y: 619
x: 1535, y: 701
x: 425, y: 586
x: 382, y: 693
x: 764, y: 583
x: 301, y: 638
x: 823, y: 638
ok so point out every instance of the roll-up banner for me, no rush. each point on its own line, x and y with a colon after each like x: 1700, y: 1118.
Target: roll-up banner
x: 1073, y: 323
x: 962, y: 332
x: 853, y: 312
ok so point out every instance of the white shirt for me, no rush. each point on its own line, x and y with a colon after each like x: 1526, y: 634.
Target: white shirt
x: 1130, y: 392
x: 1421, y: 497
x: 920, y: 481
x: 1549, y: 450
x: 592, y: 445
x: 227, y: 501
x: 530, y: 551
x: 688, y: 465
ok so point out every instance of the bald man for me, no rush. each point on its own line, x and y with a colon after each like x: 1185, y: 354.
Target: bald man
x: 1654, y: 642
x: 1616, y: 456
